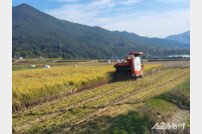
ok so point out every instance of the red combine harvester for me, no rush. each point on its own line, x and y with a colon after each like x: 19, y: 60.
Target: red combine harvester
x: 133, y: 65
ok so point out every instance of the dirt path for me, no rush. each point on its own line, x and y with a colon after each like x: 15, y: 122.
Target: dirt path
x: 111, y: 99
x: 169, y: 64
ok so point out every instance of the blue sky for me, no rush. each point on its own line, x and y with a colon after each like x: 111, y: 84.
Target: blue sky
x: 152, y: 18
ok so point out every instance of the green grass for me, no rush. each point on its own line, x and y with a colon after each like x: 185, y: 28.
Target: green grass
x: 24, y: 68
x: 180, y: 95
x: 168, y: 104
x: 160, y: 105
x: 130, y: 123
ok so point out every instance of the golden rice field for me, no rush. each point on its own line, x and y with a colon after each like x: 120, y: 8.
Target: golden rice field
x: 73, y: 114
x: 31, y: 87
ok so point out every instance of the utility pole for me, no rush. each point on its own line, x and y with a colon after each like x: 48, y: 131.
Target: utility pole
x: 60, y: 50
x: 146, y: 48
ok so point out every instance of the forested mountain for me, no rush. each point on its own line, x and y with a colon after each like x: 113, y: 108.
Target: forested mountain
x: 38, y: 34
x: 183, y: 38
x: 157, y: 42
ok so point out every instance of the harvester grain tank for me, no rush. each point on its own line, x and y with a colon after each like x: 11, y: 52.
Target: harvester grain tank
x: 133, y: 65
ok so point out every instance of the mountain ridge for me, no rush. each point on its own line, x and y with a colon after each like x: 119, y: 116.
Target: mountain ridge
x: 183, y: 37
x: 39, y: 34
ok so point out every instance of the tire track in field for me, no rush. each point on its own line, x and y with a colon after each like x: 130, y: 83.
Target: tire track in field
x: 120, y: 87
x: 136, y: 89
x: 101, y: 94
x: 84, y: 117
x: 113, y: 101
x: 127, y: 96
x: 52, y: 114
x: 144, y: 95
x: 88, y: 100
x: 114, y: 109
x: 142, y: 85
x: 69, y: 105
x: 76, y: 94
x: 102, y: 110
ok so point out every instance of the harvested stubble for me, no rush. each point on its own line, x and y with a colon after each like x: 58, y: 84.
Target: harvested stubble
x: 108, y: 100
x: 32, y: 87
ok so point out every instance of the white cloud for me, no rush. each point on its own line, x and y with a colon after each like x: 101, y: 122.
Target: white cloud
x: 75, y: 13
x: 128, y: 2
x: 82, y: 13
x: 150, y: 23
x: 99, y: 4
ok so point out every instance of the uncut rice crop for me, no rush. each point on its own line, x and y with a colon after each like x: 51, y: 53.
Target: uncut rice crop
x: 30, y: 87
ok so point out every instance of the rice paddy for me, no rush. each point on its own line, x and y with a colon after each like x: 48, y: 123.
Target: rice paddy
x: 35, y: 86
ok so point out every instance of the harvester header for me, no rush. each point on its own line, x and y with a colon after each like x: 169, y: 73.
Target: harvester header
x: 133, y: 65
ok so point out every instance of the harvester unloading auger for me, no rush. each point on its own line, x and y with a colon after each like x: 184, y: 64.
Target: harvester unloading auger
x: 133, y: 66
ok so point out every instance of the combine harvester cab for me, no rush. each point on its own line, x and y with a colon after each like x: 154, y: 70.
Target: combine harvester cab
x: 133, y: 66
